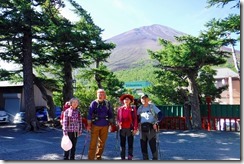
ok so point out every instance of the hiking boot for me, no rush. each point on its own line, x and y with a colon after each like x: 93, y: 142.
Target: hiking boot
x: 130, y: 157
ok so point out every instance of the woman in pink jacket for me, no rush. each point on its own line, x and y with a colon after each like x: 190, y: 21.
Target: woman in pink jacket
x: 128, y: 126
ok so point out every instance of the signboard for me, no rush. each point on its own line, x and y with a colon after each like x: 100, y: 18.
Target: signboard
x: 137, y: 84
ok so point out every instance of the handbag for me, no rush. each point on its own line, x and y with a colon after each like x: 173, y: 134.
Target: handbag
x: 66, y: 143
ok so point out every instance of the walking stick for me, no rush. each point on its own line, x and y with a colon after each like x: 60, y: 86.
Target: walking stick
x: 86, y: 141
x: 117, y: 140
x: 158, y: 146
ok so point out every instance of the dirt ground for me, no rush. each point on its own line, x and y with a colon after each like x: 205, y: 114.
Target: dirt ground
x: 17, y: 145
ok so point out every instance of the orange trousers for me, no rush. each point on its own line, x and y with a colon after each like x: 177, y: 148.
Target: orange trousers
x: 99, y: 135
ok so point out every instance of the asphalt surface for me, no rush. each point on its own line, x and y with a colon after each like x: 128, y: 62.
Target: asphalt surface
x: 18, y: 145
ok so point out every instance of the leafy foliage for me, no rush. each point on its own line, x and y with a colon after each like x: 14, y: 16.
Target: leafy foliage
x: 228, y: 27
x: 222, y: 3
x: 181, y: 64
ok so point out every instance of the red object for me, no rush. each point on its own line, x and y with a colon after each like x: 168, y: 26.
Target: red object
x: 84, y: 122
x: 113, y: 128
x: 126, y: 96
x: 208, y: 100
x: 66, y: 106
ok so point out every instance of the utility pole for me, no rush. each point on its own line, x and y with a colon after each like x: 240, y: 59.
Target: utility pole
x: 234, y: 56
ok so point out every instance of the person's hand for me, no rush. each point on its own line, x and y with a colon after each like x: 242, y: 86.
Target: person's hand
x: 88, y: 128
x: 120, y: 125
x: 155, y: 127
x: 117, y: 127
x: 134, y: 132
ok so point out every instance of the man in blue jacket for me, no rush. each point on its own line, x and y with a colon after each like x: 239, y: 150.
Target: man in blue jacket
x: 100, y: 116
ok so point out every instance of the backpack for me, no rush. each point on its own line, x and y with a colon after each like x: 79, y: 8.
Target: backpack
x: 106, y: 102
x: 95, y: 114
x: 65, y: 107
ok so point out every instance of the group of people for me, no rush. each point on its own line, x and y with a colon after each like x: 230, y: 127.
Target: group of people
x: 100, y: 116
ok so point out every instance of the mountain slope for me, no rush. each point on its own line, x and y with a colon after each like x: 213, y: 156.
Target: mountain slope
x: 131, y: 46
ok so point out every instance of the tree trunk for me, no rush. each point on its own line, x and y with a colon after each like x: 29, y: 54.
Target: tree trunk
x: 98, y: 80
x: 187, y: 108
x: 195, y: 106
x: 46, y: 97
x: 27, y: 73
x: 68, y: 92
x: 187, y: 114
x: 97, y: 76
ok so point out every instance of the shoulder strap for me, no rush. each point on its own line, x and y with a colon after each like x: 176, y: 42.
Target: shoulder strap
x: 79, y: 112
x: 106, y: 103
x: 97, y: 102
x: 152, y: 111
x: 120, y: 114
x: 133, y: 113
x: 68, y: 117
x: 140, y: 109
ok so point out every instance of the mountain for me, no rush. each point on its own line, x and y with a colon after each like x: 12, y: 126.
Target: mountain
x: 131, y: 46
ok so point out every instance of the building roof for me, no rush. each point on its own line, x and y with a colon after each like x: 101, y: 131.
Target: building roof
x: 224, y: 73
x: 10, y: 84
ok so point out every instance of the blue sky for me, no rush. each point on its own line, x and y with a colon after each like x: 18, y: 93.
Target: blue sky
x: 118, y: 16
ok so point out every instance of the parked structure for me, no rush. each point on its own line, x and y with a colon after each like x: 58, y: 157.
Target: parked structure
x: 226, y: 76
x: 12, y: 97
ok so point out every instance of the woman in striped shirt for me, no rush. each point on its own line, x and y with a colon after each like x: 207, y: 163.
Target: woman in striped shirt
x: 72, y: 126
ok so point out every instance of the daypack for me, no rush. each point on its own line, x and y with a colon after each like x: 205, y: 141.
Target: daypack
x: 106, y: 102
x: 95, y: 114
x: 65, y: 106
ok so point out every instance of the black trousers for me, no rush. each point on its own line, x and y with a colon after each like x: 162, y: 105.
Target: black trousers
x: 126, y: 135
x: 146, y: 138
x: 70, y: 154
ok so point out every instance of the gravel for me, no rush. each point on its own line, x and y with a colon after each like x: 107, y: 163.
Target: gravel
x: 175, y: 145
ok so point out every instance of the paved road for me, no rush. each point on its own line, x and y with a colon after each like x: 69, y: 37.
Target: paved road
x: 15, y: 145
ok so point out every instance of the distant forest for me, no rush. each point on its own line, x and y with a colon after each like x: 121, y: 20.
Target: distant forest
x: 144, y: 71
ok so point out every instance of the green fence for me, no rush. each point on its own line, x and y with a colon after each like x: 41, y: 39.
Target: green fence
x: 172, y: 110
x: 175, y: 118
x: 217, y: 110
